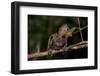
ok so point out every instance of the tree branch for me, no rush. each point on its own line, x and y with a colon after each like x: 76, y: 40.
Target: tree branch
x: 68, y: 48
x: 80, y: 29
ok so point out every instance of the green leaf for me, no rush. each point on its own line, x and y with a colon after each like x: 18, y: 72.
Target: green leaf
x: 72, y: 29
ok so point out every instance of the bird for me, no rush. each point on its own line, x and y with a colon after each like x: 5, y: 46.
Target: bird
x: 58, y: 40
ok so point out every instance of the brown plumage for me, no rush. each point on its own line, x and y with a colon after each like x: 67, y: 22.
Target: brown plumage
x: 58, y: 40
x: 56, y: 43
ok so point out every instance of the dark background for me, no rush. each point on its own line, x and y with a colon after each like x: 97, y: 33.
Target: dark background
x: 40, y: 27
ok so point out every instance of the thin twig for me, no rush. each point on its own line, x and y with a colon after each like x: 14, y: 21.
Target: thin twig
x: 80, y: 29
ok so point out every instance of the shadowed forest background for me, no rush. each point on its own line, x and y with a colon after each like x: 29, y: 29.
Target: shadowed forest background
x: 40, y: 28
